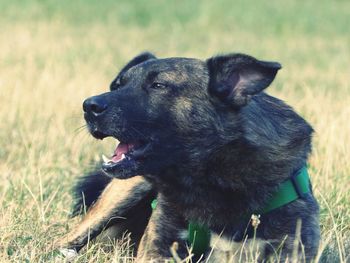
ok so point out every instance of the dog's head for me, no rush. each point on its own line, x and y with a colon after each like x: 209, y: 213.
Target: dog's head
x: 174, y: 111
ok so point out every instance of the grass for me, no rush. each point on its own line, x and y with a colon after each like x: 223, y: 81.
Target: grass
x: 53, y: 54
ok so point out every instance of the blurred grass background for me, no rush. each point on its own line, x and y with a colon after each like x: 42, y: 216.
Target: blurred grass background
x: 53, y: 54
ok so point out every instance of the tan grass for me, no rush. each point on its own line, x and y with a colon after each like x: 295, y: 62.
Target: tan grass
x: 48, y: 66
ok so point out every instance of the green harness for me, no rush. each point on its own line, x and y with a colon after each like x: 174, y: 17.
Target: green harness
x: 290, y: 190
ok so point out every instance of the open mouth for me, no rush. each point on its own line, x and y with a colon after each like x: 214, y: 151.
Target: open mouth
x: 126, y: 158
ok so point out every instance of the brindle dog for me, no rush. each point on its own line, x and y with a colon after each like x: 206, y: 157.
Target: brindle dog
x: 210, y: 145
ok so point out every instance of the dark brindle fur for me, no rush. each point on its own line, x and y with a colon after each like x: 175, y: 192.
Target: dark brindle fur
x: 214, y: 149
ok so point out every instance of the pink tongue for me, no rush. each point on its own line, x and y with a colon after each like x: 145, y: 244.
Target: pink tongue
x: 121, y: 149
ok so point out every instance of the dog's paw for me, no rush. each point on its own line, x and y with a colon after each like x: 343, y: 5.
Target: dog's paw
x: 69, y: 253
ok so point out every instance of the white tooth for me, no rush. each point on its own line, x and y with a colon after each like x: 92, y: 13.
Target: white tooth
x: 105, y: 159
x: 123, y: 156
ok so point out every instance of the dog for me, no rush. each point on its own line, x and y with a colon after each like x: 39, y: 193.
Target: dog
x: 205, y: 141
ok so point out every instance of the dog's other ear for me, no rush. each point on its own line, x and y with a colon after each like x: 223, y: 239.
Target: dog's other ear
x: 136, y: 60
x: 235, y: 78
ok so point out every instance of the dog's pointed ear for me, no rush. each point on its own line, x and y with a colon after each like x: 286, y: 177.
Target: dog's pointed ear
x: 135, y: 61
x: 235, y: 78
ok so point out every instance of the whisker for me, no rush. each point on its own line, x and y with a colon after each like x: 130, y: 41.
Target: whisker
x: 79, y: 129
x: 142, y: 121
x: 139, y: 132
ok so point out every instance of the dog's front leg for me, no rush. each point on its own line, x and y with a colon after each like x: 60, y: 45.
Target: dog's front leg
x: 165, y: 235
x: 122, y: 206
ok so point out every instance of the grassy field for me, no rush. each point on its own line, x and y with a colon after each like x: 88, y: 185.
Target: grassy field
x: 53, y: 54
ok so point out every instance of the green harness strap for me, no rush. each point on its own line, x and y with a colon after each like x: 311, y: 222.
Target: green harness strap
x: 294, y: 188
x: 199, y: 238
x: 198, y: 235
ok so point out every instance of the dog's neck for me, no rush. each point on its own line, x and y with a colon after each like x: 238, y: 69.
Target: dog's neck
x: 242, y: 174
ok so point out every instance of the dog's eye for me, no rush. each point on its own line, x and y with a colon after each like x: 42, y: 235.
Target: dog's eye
x: 157, y: 85
x: 118, y: 83
x: 115, y: 85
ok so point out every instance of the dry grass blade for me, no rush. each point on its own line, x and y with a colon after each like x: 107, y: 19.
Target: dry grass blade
x: 54, y: 54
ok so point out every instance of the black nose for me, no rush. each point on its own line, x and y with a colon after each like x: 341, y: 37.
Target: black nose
x: 95, y: 105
